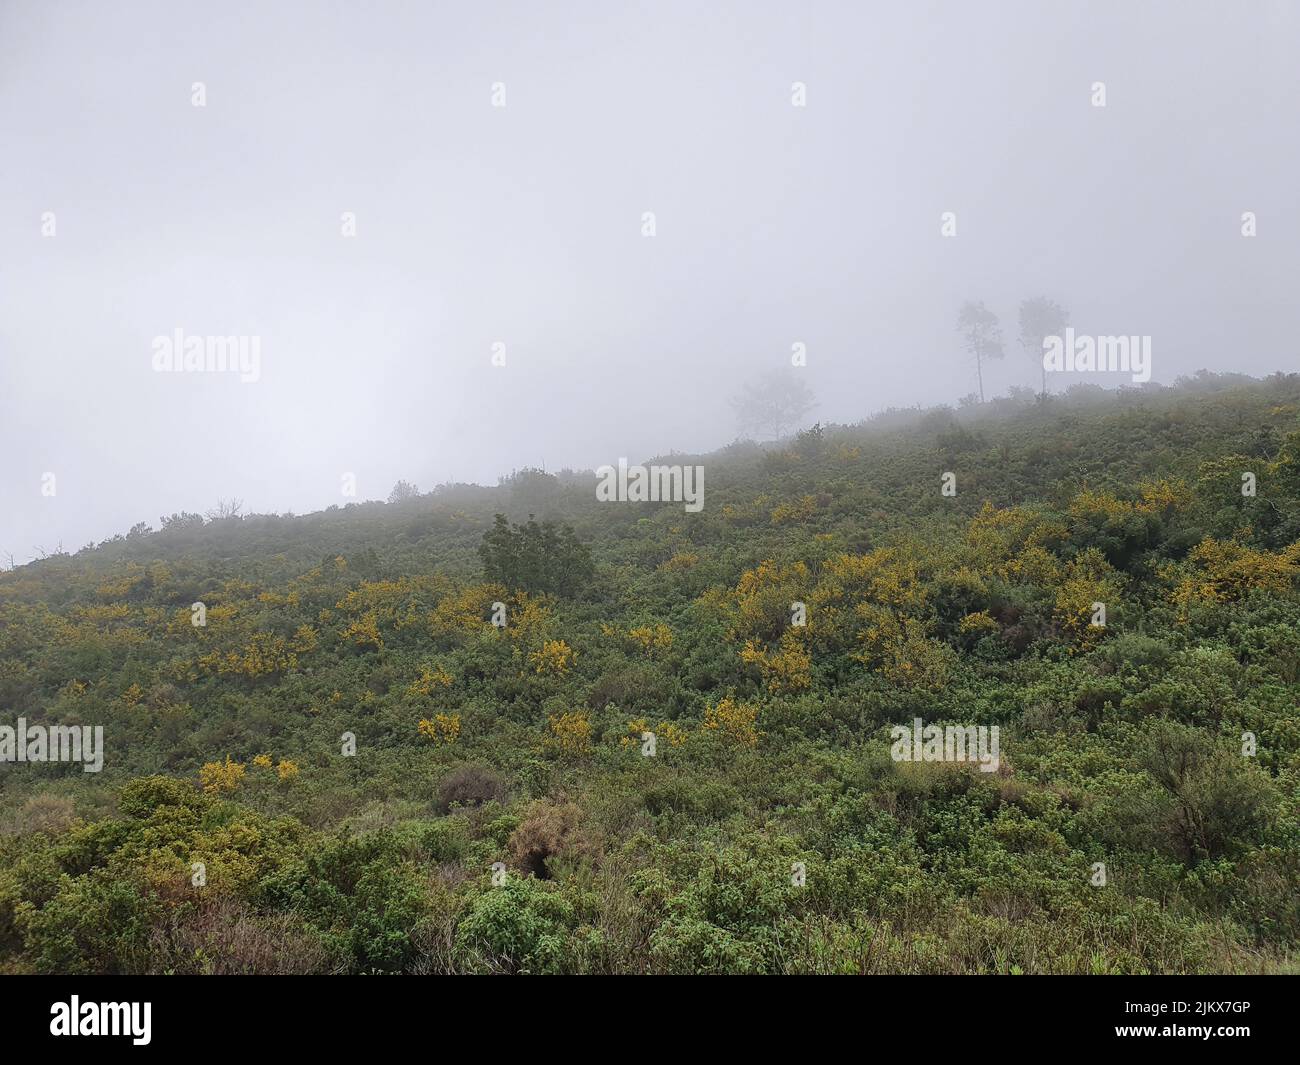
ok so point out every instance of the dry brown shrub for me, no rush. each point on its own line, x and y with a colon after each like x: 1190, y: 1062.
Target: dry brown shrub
x: 550, y: 830
x: 469, y: 785
x: 41, y: 813
x: 224, y: 937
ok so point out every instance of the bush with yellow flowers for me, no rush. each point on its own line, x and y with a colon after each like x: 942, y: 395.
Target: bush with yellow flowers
x: 796, y: 512
x: 667, y: 731
x: 735, y: 722
x: 554, y: 658
x: 444, y: 728
x: 570, y: 732
x: 682, y: 560
x: 650, y: 639
x: 364, y: 631
x: 431, y: 679
x: 1223, y: 571
x: 1089, y: 579
x: 264, y: 655
x: 464, y: 613
x: 304, y: 640
x: 788, y: 668
x: 220, y: 777
x: 979, y: 623
x: 643, y: 639
x: 761, y: 604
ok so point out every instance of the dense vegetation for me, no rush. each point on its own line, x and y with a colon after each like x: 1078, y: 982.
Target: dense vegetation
x: 498, y: 676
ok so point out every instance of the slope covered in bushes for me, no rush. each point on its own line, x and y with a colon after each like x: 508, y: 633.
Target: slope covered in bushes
x: 596, y: 737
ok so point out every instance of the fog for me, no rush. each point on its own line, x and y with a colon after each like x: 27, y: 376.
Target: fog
x: 128, y: 212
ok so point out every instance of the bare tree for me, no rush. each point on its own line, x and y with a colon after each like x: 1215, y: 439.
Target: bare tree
x: 225, y: 509
x: 1040, y: 318
x: 983, y: 334
x: 773, y: 403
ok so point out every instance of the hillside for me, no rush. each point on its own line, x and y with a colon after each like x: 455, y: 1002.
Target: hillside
x: 410, y: 737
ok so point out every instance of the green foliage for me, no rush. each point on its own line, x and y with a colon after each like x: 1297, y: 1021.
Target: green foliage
x: 536, y: 558
x: 1164, y: 744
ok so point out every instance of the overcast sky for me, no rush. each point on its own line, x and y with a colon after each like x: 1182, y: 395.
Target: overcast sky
x: 523, y: 224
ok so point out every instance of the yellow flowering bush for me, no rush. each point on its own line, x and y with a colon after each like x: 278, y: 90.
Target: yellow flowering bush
x: 364, y: 631
x: 1089, y: 579
x: 430, y: 680
x: 444, y: 728
x: 736, y: 722
x: 219, y: 777
x: 788, y: 513
x: 651, y: 638
x: 304, y: 640
x: 634, y: 730
x: 554, y: 658
x: 264, y: 655
x: 665, y: 731
x: 980, y: 623
x: 466, y: 612
x: 571, y: 732
x: 788, y: 668
x: 1220, y: 571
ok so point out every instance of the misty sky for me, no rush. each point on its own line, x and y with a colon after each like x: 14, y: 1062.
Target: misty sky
x: 523, y: 224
